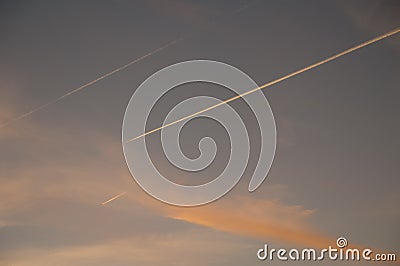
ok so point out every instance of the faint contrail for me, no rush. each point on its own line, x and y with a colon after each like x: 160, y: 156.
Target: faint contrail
x: 307, y: 68
x: 113, y: 198
x: 91, y: 82
x: 235, y: 12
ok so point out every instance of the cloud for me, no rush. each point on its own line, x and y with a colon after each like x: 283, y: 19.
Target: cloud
x: 181, y: 248
x: 55, y: 178
x: 267, y: 220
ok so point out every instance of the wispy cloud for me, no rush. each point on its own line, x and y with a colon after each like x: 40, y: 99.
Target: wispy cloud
x: 180, y: 248
x: 55, y: 194
x: 263, y: 219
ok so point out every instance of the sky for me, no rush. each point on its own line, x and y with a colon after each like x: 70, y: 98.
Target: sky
x: 335, y: 171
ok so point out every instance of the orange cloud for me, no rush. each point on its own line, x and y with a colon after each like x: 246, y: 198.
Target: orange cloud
x: 92, y: 168
x: 261, y: 219
x: 180, y: 249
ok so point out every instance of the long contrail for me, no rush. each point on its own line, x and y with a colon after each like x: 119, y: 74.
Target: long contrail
x: 113, y: 198
x: 43, y: 106
x: 302, y: 70
x: 345, y: 52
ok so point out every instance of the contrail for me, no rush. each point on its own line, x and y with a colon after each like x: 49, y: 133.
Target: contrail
x: 302, y: 70
x: 113, y: 198
x: 113, y: 72
x: 91, y: 82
